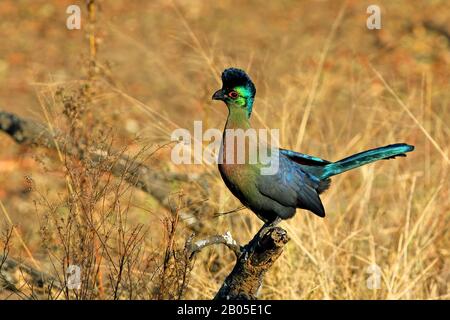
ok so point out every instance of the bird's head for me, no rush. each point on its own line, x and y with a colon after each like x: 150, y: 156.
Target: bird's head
x: 238, y: 90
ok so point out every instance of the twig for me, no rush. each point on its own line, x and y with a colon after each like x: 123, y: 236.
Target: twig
x: 17, y: 234
x: 226, y: 239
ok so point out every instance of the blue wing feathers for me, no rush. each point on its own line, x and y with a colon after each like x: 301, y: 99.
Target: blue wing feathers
x: 304, y: 159
x: 292, y: 187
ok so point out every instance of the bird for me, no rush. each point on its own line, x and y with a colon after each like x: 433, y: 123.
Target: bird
x: 300, y: 178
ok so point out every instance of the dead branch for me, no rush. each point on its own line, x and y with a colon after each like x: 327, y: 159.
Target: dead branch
x: 11, y: 270
x: 440, y: 29
x: 32, y: 133
x: 226, y: 239
x: 253, y: 261
x: 245, y: 280
x: 152, y: 181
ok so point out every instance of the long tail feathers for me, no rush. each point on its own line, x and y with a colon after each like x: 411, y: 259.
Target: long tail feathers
x: 362, y: 158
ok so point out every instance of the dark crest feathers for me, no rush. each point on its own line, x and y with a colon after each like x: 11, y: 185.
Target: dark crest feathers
x: 233, y: 77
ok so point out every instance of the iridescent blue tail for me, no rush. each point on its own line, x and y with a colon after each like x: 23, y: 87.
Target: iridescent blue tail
x: 362, y: 158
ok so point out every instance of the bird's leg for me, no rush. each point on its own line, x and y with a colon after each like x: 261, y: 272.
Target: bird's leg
x: 264, y: 229
x: 267, y: 226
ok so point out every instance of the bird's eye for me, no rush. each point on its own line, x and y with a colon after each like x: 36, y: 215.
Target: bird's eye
x: 233, y: 94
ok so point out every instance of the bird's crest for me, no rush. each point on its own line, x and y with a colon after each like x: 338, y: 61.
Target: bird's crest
x: 233, y: 77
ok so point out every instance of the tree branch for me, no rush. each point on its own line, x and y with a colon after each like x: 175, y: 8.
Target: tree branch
x: 10, y: 269
x: 245, y: 280
x: 151, y: 181
x: 226, y: 239
x: 253, y: 261
x: 32, y: 133
x: 440, y: 29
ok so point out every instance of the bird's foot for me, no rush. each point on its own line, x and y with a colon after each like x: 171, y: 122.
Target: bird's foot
x: 251, y: 246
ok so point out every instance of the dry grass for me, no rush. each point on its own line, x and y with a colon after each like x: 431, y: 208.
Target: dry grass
x: 331, y: 86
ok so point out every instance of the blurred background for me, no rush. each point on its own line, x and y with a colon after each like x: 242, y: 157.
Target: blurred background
x: 333, y: 88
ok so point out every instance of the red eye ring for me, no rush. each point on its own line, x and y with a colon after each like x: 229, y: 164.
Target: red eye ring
x: 233, y: 94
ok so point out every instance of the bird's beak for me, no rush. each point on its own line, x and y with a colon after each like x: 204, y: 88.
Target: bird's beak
x: 218, y: 95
